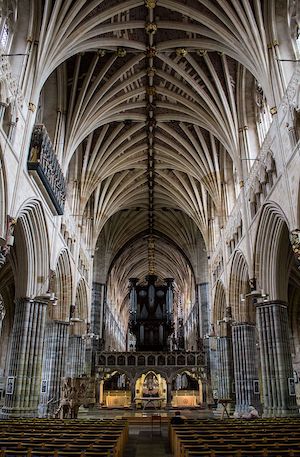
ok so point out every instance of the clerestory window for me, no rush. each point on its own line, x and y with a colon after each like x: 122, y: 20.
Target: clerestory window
x: 263, y: 115
x: 4, y: 34
x: 298, y: 40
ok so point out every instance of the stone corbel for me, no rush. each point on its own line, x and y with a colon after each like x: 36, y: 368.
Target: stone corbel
x: 150, y: 4
x: 9, y: 240
x: 295, y: 242
x: 2, y: 310
x: 31, y: 107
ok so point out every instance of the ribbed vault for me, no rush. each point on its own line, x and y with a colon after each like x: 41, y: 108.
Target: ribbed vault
x: 153, y: 97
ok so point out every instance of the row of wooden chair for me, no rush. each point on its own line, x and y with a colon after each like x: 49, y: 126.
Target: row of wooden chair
x: 55, y: 453
x: 236, y: 437
x: 63, y: 438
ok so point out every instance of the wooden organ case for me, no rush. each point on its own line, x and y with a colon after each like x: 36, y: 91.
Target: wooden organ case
x: 151, y: 313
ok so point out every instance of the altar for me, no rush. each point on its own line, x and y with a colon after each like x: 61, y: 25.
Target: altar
x: 146, y: 401
x: 185, y: 398
x: 117, y: 399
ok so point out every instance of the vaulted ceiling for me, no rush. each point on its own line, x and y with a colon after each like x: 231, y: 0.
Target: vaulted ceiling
x: 154, y: 96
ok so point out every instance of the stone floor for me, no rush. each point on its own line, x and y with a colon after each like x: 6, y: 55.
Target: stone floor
x: 146, y: 438
x: 144, y: 443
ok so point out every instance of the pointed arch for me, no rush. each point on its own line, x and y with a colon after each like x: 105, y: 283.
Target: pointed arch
x: 30, y: 254
x: 79, y: 311
x: 219, y: 305
x: 242, y: 311
x: 64, y: 287
x: 272, y: 254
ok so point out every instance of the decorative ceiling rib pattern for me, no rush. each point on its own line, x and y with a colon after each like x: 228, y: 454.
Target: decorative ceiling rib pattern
x: 153, y: 93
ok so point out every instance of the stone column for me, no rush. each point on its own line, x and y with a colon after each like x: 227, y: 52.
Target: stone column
x: 97, y: 319
x: 245, y: 366
x: 76, y: 356
x: 203, y: 342
x: 224, y: 367
x: 23, y: 391
x: 54, y: 365
x: 279, y: 397
x: 2, y: 314
x: 203, y: 301
x: 200, y: 392
x: 97, y: 313
x: 101, y: 392
x: 169, y: 394
x: 132, y: 389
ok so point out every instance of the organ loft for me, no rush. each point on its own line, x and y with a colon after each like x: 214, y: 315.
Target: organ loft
x: 151, y: 314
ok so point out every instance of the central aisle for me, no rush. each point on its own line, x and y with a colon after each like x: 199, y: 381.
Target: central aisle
x: 143, y: 440
x: 143, y: 443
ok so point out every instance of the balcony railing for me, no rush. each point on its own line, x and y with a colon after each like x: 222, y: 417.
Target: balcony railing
x: 149, y: 359
x: 43, y: 164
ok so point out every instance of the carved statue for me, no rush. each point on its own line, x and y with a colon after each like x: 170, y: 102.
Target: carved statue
x: 4, y: 250
x: 74, y: 393
x: 295, y: 242
x: 2, y: 310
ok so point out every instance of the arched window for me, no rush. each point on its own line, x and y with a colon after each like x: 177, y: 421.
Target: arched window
x: 8, y: 16
x: 4, y: 37
x: 263, y: 115
x: 298, y: 39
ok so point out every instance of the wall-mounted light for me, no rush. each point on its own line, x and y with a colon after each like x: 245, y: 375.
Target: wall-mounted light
x: 255, y: 294
x: 75, y: 320
x: 49, y: 296
x: 90, y: 336
x: 226, y: 320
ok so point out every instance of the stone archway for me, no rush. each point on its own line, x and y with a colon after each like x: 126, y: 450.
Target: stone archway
x: 241, y: 309
x: 26, y: 275
x: 63, y: 287
x: 222, y: 366
x: 189, y: 388
x: 219, y: 303
x: 244, y: 338
x: 274, y: 267
x: 57, y: 337
x: 151, y: 390
x: 115, y: 389
x: 76, y: 363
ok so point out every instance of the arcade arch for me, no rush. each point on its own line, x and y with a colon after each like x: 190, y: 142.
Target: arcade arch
x: 241, y: 308
x: 63, y: 288
x: 277, y: 272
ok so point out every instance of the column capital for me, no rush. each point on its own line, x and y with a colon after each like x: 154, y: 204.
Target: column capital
x: 42, y: 299
x: 23, y: 300
x: 243, y: 324
x: 281, y: 303
x: 58, y: 322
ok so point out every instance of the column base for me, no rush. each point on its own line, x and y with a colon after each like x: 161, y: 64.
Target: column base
x: 11, y: 413
x: 278, y: 412
x: 42, y: 411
